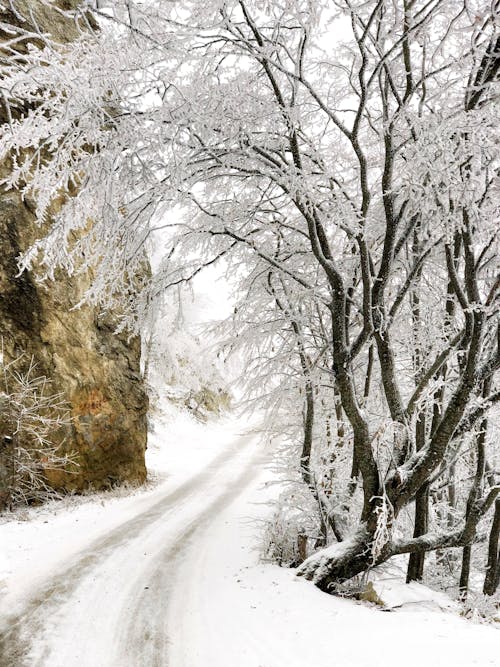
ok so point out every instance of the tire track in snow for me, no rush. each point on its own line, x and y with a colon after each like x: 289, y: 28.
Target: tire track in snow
x: 147, y: 633
x: 27, y: 640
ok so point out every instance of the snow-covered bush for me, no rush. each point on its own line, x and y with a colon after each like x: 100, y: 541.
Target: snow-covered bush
x: 289, y: 534
x: 32, y: 420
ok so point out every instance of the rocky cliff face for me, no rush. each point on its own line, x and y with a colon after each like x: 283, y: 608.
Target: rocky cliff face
x: 96, y: 370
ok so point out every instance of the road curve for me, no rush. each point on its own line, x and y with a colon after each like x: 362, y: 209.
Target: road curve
x: 109, y: 608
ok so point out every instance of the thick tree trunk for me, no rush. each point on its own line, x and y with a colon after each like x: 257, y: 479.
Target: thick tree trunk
x: 417, y: 559
x: 492, y: 578
x: 340, y: 562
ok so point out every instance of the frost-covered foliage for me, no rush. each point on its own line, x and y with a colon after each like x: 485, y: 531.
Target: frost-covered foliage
x: 342, y: 157
x: 32, y: 417
x: 180, y: 364
x: 289, y: 530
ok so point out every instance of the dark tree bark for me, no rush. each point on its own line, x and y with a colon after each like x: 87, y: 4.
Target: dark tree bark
x: 492, y: 578
x: 475, y: 493
x: 413, y: 472
x: 463, y: 585
x: 417, y: 559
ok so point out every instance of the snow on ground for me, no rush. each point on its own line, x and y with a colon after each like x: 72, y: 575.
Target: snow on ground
x: 171, y: 576
x: 36, y: 542
x: 234, y: 610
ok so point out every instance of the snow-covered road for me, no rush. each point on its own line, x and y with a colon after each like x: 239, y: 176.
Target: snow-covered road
x: 110, y: 607
x: 171, y: 577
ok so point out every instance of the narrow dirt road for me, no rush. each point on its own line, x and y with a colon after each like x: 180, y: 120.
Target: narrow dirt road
x: 109, y: 608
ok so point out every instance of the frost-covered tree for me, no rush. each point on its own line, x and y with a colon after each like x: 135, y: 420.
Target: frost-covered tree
x: 178, y: 363
x: 343, y: 158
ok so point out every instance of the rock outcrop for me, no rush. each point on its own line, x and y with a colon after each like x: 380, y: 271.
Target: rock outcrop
x: 97, y: 371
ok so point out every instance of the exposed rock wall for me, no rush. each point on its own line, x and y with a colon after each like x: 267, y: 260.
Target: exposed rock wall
x: 97, y: 371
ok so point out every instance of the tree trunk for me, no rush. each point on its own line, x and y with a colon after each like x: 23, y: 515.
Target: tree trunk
x: 464, y: 572
x: 492, y: 578
x: 476, y: 492
x: 417, y: 559
x: 341, y: 562
x: 305, y: 458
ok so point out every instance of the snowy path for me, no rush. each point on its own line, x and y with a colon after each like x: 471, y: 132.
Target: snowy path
x: 109, y: 608
x: 176, y: 582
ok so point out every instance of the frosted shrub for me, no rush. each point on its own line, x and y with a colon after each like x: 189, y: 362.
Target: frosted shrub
x: 31, y: 418
x: 481, y: 608
x: 281, y: 540
x: 292, y: 530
